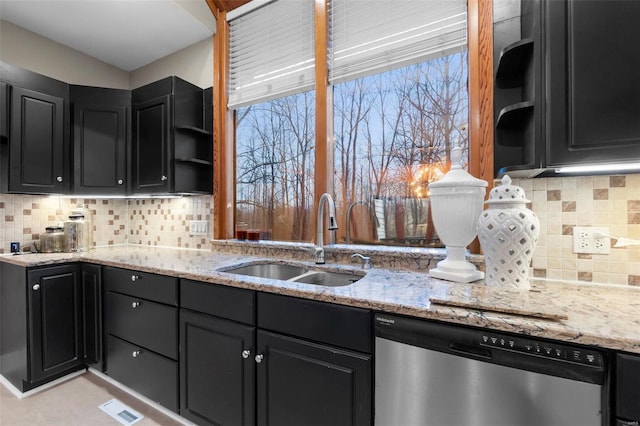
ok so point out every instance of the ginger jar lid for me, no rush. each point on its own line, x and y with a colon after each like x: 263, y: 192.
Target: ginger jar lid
x: 457, y: 176
x: 507, y: 193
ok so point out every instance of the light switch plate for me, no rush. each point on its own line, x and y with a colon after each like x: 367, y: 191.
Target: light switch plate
x: 198, y: 227
x: 591, y: 240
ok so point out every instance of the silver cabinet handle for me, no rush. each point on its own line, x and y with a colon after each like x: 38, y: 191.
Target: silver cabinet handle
x: 135, y: 354
x: 120, y: 181
x: 135, y: 277
x: 36, y: 287
x: 163, y: 178
x: 59, y: 178
x: 246, y: 353
x: 135, y: 305
x: 259, y: 358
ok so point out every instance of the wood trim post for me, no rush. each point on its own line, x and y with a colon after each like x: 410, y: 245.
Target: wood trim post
x: 480, y: 42
x: 324, y: 99
x: 223, y: 132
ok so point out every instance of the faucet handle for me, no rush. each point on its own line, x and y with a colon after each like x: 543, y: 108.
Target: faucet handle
x: 319, y: 255
x: 366, y: 260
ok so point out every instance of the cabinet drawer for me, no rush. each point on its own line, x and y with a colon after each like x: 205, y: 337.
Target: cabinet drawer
x: 154, y: 287
x: 144, y: 371
x: 226, y: 302
x: 148, y: 324
x: 343, y: 326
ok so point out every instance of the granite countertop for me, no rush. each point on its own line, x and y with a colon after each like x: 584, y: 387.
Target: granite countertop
x: 599, y: 315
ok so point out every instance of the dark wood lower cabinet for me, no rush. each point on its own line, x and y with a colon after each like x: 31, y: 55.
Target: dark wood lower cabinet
x: 92, y: 314
x: 55, y: 329
x: 217, y: 370
x: 141, y: 324
x: 305, y: 383
x: 41, y: 323
x: 144, y: 371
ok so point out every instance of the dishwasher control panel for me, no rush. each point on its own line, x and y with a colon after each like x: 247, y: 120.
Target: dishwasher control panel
x: 557, y: 351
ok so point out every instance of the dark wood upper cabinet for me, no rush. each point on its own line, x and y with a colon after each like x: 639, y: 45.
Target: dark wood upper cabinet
x: 100, y: 136
x: 57, y: 138
x: 36, y: 147
x: 4, y: 111
x: 35, y: 156
x: 593, y: 107
x: 567, y: 91
x: 172, y: 147
x: 151, y: 148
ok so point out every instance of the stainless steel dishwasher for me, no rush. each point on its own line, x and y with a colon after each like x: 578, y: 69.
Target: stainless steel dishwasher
x: 434, y: 374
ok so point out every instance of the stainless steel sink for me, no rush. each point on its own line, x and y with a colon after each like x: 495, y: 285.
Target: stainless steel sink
x: 329, y: 279
x: 274, y: 271
x: 296, y: 273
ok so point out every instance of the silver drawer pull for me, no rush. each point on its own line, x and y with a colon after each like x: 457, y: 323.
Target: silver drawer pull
x: 59, y: 178
x: 36, y: 287
x: 259, y: 358
x: 135, y: 277
x: 135, y: 304
x: 135, y: 354
x: 246, y: 353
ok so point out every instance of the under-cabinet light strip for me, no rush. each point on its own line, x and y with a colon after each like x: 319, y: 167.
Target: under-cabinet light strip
x: 114, y: 197
x: 629, y: 167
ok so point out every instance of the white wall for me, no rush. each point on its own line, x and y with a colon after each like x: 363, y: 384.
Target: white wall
x: 33, y: 52
x: 193, y: 63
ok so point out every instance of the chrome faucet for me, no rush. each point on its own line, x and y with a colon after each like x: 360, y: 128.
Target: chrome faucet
x: 333, y: 225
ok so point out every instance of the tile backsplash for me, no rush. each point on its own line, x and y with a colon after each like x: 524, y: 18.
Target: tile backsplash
x: 157, y: 221
x: 560, y: 203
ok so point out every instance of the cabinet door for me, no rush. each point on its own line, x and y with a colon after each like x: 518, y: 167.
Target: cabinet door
x: 92, y: 315
x: 592, y: 81
x: 55, y: 326
x: 99, y: 145
x: 303, y: 383
x: 151, y: 146
x: 627, y: 393
x: 36, y: 148
x: 217, y: 370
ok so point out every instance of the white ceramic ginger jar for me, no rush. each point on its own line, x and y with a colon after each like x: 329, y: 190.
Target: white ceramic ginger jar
x: 508, y: 232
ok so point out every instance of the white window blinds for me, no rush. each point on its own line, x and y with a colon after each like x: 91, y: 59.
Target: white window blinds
x: 271, y: 52
x: 372, y: 36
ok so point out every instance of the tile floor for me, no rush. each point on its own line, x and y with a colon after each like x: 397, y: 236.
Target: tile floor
x: 74, y: 403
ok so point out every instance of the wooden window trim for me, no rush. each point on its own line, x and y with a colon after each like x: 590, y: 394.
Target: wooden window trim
x: 480, y: 48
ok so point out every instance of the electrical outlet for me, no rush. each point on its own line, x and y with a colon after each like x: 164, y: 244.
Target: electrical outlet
x: 591, y: 240
x: 198, y: 227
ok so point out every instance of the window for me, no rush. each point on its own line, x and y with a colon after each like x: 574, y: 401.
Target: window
x: 400, y: 102
x: 275, y: 152
x: 271, y: 81
x: 394, y: 124
x: 394, y: 132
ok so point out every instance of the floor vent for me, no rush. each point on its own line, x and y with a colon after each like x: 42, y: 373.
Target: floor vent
x: 121, y: 412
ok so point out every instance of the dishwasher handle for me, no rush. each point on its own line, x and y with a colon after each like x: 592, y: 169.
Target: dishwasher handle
x: 470, y: 351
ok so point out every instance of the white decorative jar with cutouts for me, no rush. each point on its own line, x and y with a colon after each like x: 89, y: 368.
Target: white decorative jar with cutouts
x: 508, y: 232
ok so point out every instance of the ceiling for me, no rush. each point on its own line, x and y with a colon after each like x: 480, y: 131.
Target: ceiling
x: 127, y: 34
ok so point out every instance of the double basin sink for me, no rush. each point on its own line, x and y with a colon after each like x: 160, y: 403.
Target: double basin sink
x: 295, y: 273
